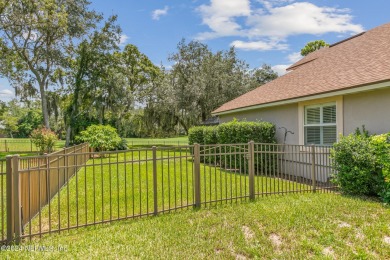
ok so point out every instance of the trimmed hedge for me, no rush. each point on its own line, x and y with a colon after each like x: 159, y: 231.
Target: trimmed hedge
x: 204, y: 135
x: 242, y: 132
x: 233, y: 132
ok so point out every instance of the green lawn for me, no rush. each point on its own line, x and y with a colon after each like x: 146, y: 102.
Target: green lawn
x: 17, y: 145
x: 295, y: 226
x: 181, y: 140
x: 102, y: 191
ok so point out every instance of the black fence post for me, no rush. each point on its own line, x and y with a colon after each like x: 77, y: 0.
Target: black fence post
x: 197, y: 175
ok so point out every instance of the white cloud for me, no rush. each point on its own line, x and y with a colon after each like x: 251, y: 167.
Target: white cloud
x: 294, y: 57
x: 280, y: 69
x: 301, y: 18
x: 263, y: 22
x: 156, y: 14
x: 123, y: 39
x: 220, y: 16
x: 259, y: 45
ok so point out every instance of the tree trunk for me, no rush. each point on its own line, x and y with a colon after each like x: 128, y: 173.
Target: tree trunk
x: 101, y: 115
x: 183, y: 125
x: 204, y: 116
x: 44, y: 105
x: 68, y: 132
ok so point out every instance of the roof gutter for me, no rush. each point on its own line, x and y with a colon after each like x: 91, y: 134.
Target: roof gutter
x: 351, y: 90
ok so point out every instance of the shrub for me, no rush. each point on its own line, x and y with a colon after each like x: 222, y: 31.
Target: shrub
x: 362, y: 165
x: 122, y: 145
x: 233, y: 132
x: 210, y: 135
x: 364, y: 132
x: 100, y: 137
x: 381, y: 144
x: 242, y: 132
x: 44, y: 139
x: 204, y: 135
x: 354, y: 162
x: 195, y: 135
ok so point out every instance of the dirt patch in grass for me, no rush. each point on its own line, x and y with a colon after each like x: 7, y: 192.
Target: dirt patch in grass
x: 344, y: 225
x: 328, y: 251
x: 359, y: 235
x: 248, y: 233
x: 276, y: 240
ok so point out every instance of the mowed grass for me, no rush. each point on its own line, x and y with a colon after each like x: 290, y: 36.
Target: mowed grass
x: 181, y: 140
x: 9, y: 146
x: 294, y: 226
x: 120, y: 185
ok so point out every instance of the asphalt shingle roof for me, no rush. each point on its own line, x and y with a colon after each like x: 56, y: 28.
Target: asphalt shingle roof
x: 358, y: 61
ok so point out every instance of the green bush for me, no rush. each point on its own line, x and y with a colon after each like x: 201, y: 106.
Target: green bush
x: 100, y: 137
x: 195, y: 135
x: 204, y: 135
x: 44, y: 139
x: 362, y: 165
x: 210, y: 135
x: 234, y: 132
x: 381, y: 144
x: 242, y: 132
x: 122, y: 145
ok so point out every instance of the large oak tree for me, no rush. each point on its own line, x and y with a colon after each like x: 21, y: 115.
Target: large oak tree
x: 35, y: 37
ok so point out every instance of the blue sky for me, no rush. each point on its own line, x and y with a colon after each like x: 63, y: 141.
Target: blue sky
x: 271, y: 32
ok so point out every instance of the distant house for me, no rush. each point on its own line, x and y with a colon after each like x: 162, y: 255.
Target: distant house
x: 214, y: 120
x: 330, y: 91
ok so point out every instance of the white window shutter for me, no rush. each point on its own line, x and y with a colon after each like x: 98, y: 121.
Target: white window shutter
x: 313, y: 115
x: 329, y: 135
x: 329, y: 114
x: 313, y: 135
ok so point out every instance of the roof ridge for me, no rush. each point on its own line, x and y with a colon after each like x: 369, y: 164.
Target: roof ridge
x: 308, y: 58
x: 316, y: 53
x: 347, y: 39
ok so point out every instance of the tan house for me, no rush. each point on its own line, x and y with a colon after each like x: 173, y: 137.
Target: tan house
x: 329, y: 92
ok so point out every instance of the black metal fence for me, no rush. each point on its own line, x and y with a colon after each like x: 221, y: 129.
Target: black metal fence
x: 81, y: 188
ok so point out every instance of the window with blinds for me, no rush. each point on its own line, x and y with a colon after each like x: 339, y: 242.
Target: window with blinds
x: 320, y: 124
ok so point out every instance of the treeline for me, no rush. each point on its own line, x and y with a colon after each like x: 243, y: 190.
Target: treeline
x: 68, y: 68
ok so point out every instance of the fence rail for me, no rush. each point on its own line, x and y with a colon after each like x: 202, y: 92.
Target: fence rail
x: 151, y: 142
x: 75, y: 188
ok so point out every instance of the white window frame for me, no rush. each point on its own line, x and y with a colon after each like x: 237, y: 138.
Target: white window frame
x: 321, y: 124
x: 317, y: 102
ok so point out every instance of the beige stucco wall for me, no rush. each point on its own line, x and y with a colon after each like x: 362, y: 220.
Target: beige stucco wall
x: 286, y: 115
x: 371, y: 108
